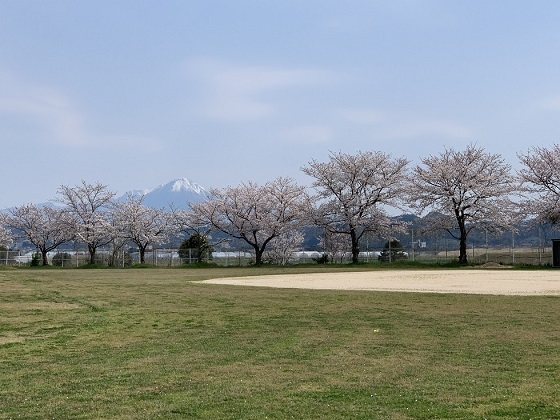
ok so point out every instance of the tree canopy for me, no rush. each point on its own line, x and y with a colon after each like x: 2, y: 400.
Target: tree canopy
x: 468, y: 188
x: 255, y: 214
x: 87, y: 205
x: 195, y: 247
x: 540, y: 176
x: 45, y: 227
x: 352, y: 190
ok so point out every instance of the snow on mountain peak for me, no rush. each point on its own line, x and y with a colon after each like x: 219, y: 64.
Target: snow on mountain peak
x: 183, y: 184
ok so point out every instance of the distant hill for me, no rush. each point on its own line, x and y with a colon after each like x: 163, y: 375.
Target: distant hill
x: 177, y: 193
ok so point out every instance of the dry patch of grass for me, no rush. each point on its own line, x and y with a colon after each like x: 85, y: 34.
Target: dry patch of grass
x: 10, y: 337
x: 31, y: 306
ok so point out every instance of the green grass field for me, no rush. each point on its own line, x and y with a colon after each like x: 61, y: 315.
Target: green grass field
x: 154, y: 343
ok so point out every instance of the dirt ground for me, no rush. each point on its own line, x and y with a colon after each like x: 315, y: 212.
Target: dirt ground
x: 471, y: 281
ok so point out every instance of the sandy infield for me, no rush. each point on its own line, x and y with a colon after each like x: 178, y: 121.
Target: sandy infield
x: 472, y: 281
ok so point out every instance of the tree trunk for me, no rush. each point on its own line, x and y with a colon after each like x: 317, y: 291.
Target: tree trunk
x: 45, y: 258
x: 258, y: 255
x: 142, y: 250
x: 91, y: 250
x: 259, y: 251
x: 462, y: 242
x: 355, y: 246
x: 463, y: 250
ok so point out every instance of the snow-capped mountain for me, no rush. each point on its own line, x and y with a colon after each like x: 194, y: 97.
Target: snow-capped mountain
x: 177, y: 193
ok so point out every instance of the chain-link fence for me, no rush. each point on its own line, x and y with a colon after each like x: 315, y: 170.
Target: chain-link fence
x: 171, y: 258
x: 126, y: 258
x: 8, y: 257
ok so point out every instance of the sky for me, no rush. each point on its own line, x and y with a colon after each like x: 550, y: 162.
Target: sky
x: 136, y: 93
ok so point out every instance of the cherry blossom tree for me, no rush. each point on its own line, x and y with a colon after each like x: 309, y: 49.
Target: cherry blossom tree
x: 466, y: 189
x: 5, y: 233
x: 194, y: 226
x: 88, y: 206
x: 353, y: 190
x: 282, y: 249
x: 45, y: 227
x: 190, y: 223
x: 255, y: 214
x: 117, y: 249
x: 540, y: 175
x: 140, y: 224
x: 335, y: 245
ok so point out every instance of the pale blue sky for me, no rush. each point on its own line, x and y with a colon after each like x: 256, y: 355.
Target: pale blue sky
x: 136, y: 93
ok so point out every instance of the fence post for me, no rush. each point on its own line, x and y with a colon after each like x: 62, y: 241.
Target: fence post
x: 512, y: 247
x: 486, y: 233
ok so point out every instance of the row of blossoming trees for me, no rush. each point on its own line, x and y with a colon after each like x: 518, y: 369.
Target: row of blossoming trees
x: 464, y: 189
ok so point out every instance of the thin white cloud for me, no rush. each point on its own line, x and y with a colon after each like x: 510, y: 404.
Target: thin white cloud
x: 57, y: 117
x: 551, y: 103
x: 308, y: 134
x: 429, y: 128
x: 128, y: 143
x: 240, y: 93
x: 363, y: 115
x: 44, y: 107
x: 390, y: 125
